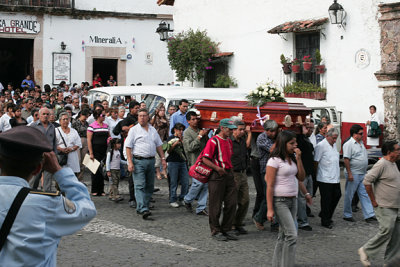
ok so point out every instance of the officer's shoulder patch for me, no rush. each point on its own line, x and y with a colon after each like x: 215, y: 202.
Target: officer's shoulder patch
x: 69, y: 206
x: 50, y: 194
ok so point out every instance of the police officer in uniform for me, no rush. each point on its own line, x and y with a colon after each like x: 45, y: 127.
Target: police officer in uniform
x: 32, y: 223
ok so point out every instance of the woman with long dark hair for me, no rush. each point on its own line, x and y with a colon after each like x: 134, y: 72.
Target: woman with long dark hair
x: 284, y: 171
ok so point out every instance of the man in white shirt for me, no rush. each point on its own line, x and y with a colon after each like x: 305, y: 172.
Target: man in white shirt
x: 141, y: 146
x: 326, y: 160
x: 5, y: 119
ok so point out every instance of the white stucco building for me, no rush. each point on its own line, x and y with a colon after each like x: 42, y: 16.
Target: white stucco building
x: 242, y: 28
x: 108, y: 37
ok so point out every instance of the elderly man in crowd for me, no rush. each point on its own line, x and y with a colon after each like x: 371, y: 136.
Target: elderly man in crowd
x: 356, y: 163
x: 141, y: 145
x: 326, y: 161
x: 382, y: 184
x: 48, y: 129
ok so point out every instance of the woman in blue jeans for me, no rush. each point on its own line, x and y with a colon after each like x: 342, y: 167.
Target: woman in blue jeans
x: 177, y: 167
x: 284, y: 171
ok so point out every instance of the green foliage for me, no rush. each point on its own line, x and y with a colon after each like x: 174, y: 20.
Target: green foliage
x: 225, y: 81
x: 302, y: 87
x: 265, y: 93
x: 318, y: 57
x: 283, y: 59
x: 189, y: 54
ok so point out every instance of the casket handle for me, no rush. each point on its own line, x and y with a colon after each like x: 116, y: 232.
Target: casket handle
x: 214, y: 116
x: 288, y: 121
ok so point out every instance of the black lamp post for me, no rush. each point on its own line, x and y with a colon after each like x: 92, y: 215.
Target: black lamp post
x: 163, y: 30
x: 63, y: 46
x: 337, y: 14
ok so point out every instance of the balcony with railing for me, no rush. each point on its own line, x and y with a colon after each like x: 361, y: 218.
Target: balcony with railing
x: 39, y: 3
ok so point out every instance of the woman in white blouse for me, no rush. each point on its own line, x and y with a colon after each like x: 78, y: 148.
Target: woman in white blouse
x: 72, y: 142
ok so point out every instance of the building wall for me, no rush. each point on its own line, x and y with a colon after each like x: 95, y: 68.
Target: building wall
x: 242, y: 29
x: 130, y: 6
x: 137, y: 37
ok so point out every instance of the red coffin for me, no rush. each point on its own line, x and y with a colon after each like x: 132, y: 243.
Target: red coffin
x: 289, y: 116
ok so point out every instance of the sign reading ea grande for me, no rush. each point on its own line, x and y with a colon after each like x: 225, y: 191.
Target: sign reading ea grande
x: 19, y: 24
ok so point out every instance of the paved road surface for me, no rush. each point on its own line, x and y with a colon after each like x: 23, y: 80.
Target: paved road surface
x: 119, y: 237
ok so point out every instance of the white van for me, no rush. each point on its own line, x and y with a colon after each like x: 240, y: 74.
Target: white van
x: 320, y: 109
x: 169, y: 95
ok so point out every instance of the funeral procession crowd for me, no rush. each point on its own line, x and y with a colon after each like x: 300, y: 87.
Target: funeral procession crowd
x: 56, y: 129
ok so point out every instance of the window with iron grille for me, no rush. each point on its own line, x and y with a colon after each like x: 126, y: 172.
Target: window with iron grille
x: 307, y: 44
x: 219, y: 67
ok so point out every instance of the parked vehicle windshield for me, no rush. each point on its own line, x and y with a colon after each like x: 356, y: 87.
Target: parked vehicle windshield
x: 152, y: 102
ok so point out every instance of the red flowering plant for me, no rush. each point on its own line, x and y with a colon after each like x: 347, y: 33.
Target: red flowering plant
x: 296, y: 61
x: 307, y: 58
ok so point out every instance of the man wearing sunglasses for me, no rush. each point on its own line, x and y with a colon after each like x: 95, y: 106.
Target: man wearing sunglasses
x: 356, y: 163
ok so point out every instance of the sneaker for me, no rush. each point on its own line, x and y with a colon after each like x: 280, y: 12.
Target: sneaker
x: 219, y: 237
x: 239, y: 230
x: 364, y: 257
x: 230, y: 237
x: 188, y: 206
x: 203, y: 212
x: 371, y: 219
x: 174, y: 204
x: 259, y: 226
x: 180, y: 202
x: 305, y: 228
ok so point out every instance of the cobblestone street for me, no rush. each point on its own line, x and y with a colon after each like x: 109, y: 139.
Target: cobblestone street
x: 119, y: 237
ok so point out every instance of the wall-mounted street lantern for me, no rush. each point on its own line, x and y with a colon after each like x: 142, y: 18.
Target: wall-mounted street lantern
x: 63, y: 46
x: 337, y: 14
x: 163, y: 30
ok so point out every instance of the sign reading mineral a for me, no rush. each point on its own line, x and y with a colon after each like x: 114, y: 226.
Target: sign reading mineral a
x: 19, y: 24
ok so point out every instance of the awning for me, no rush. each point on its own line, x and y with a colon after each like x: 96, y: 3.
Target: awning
x: 222, y: 54
x: 165, y: 2
x: 299, y: 26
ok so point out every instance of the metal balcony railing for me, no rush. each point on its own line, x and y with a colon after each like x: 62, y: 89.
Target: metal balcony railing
x: 39, y: 3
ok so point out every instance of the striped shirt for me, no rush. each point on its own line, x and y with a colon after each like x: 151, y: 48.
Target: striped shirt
x: 100, y: 133
x: 220, y: 155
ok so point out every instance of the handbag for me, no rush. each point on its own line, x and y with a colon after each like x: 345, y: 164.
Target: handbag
x: 62, y: 157
x: 199, y: 170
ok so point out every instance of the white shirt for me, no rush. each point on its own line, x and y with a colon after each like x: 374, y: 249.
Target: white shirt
x: 143, y: 143
x: 71, y: 139
x: 327, y: 157
x: 111, y: 124
x: 5, y: 123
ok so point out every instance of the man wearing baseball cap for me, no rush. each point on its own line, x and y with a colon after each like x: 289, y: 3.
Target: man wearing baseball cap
x: 32, y: 223
x: 221, y: 183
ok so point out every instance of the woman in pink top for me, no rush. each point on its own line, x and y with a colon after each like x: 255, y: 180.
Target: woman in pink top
x: 284, y: 171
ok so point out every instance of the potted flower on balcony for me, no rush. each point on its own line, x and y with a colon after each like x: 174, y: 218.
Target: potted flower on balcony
x: 319, y: 68
x: 296, y: 65
x: 286, y: 64
x: 307, y: 63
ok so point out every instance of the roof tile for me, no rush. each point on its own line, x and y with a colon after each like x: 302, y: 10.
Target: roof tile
x: 298, y: 26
